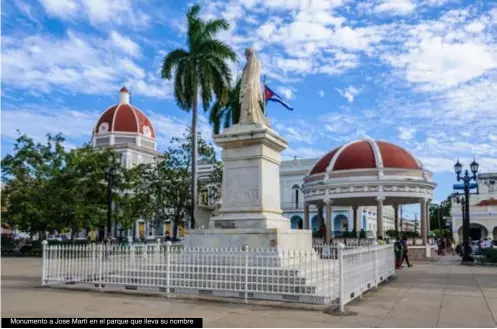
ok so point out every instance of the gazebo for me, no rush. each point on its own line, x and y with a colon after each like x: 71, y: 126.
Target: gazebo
x: 367, y: 172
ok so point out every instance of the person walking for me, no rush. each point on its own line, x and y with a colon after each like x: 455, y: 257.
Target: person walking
x: 405, y: 255
x: 399, y: 250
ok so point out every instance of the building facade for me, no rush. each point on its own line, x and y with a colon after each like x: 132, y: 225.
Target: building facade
x: 482, y: 210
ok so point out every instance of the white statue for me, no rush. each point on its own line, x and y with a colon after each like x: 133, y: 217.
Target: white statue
x: 251, y: 92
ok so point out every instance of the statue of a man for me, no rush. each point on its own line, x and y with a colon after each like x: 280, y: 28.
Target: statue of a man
x: 251, y: 92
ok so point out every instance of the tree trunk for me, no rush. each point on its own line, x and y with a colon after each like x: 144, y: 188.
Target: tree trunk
x: 177, y: 220
x: 194, y: 158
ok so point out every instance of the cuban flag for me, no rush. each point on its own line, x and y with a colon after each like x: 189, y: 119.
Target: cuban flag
x: 270, y: 95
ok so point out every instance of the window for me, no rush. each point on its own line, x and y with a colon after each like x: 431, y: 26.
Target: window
x: 295, y: 189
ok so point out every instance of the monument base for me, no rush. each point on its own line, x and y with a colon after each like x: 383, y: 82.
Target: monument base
x: 251, y: 237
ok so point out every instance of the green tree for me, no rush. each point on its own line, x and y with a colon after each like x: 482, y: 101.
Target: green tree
x: 51, y: 189
x: 31, y: 174
x: 437, y: 214
x: 226, y: 113
x: 200, y: 72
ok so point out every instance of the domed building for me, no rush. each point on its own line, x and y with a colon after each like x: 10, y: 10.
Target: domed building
x: 366, y: 173
x: 127, y: 129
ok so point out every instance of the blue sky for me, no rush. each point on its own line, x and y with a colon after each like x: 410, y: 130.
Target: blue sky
x: 418, y: 73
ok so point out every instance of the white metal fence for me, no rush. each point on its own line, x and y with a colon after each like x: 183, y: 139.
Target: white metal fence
x: 335, y: 276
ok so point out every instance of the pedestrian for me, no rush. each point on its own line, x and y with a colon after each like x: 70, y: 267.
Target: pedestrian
x: 453, y: 247
x: 398, y: 249
x: 405, y: 255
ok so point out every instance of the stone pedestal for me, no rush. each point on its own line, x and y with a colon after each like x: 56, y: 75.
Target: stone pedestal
x: 251, y: 211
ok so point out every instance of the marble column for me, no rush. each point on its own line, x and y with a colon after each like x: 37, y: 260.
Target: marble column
x: 396, y: 217
x: 307, y: 223
x: 422, y: 210
x: 328, y: 221
x: 356, y: 220
x: 379, y: 218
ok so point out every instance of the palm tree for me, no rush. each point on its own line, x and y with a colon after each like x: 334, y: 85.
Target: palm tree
x: 199, y: 71
x: 226, y: 113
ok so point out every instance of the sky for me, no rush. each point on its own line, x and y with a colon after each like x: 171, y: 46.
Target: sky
x: 418, y: 73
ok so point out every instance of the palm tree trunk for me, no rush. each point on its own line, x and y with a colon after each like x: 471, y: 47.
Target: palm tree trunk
x: 194, y: 158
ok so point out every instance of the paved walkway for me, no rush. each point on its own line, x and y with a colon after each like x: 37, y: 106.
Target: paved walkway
x: 426, y: 295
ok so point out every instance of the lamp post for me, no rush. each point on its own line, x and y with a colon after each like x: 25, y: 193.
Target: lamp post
x: 110, y: 177
x: 465, y: 227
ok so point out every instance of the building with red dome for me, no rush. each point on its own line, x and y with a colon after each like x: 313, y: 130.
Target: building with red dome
x: 367, y: 173
x: 127, y: 129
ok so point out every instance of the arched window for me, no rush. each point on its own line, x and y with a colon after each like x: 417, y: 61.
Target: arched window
x: 295, y: 189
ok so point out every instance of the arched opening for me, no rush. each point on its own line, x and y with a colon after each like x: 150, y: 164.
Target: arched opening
x: 476, y: 232
x: 341, y: 223
x: 295, y: 197
x: 296, y: 222
x: 314, y: 223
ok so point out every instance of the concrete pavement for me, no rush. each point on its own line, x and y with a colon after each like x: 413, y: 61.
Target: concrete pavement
x: 441, y: 294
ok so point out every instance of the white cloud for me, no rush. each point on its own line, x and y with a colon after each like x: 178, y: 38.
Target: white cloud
x: 126, y: 44
x: 437, y: 64
x: 60, y: 8
x: 406, y: 133
x: 286, y: 92
x: 321, y: 93
x: 75, y: 63
x: 349, y: 93
x: 97, y: 12
x: 399, y: 7
x: 475, y: 27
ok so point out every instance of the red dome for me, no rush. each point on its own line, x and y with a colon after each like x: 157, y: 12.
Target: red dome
x: 124, y: 117
x: 365, y: 154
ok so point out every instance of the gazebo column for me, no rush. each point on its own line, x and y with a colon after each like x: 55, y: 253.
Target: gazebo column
x: 356, y: 220
x: 379, y: 217
x: 396, y: 217
x: 422, y: 210
x: 328, y: 220
x: 307, y: 223
x: 427, y: 219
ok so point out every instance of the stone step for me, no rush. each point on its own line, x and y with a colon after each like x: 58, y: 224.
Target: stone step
x: 217, y: 285
x: 233, y: 277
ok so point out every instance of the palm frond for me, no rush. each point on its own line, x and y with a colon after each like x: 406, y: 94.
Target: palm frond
x: 172, y: 60
x: 217, y: 48
x: 216, y: 25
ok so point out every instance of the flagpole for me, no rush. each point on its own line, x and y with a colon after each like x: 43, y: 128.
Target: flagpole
x: 264, y: 94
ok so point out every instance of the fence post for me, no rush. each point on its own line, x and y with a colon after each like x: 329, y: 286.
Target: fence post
x: 100, y: 265
x: 246, y: 248
x: 168, y: 267
x: 93, y: 260
x: 375, y: 252
x: 361, y: 265
x: 44, y: 263
x: 157, y: 250
x: 340, y: 248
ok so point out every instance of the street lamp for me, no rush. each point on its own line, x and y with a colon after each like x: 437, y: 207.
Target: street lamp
x: 110, y: 177
x: 467, y: 178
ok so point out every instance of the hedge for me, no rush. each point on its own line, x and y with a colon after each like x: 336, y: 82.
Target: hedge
x: 489, y: 255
